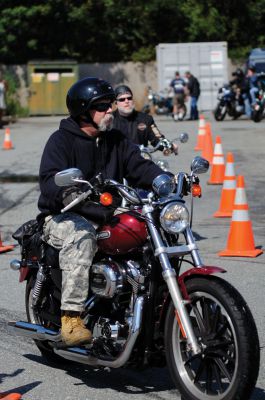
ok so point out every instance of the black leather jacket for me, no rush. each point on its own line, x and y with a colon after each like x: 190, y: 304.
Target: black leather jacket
x: 139, y: 127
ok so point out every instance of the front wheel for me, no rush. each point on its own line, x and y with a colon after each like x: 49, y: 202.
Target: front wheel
x: 227, y: 367
x: 256, y: 115
x: 220, y: 112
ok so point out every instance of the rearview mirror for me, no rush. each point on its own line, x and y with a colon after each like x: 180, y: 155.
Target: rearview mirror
x: 184, y: 137
x: 199, y: 165
x: 68, y: 177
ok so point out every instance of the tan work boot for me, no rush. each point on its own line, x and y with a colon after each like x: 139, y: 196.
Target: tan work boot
x: 74, y: 332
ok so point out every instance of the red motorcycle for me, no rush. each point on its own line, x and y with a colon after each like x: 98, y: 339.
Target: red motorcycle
x: 141, y: 309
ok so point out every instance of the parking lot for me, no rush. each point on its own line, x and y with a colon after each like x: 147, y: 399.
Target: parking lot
x: 21, y: 367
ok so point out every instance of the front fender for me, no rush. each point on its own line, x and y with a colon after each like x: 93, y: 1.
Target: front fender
x: 205, y: 270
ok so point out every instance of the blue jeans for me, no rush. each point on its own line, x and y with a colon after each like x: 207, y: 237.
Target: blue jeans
x: 252, y: 93
x: 247, y: 104
x: 193, y: 108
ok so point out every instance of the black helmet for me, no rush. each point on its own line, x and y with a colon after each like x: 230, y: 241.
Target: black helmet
x: 122, y: 89
x: 84, y: 92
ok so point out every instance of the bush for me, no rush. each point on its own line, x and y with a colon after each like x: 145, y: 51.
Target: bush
x: 13, y: 106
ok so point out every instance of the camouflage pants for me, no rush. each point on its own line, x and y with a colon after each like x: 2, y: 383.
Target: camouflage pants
x: 75, y: 237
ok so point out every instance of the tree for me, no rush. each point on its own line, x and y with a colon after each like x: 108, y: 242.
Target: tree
x: 122, y: 30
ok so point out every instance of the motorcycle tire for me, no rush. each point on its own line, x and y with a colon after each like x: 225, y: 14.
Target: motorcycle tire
x: 256, y: 115
x: 220, y: 112
x: 228, y: 366
x: 33, y: 317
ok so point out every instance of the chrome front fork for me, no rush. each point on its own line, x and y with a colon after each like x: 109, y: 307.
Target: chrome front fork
x: 169, y: 276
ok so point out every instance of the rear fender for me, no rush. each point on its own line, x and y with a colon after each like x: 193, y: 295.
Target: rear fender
x: 24, y: 273
x: 205, y: 270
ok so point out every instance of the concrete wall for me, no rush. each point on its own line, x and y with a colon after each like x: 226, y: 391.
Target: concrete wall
x: 136, y: 75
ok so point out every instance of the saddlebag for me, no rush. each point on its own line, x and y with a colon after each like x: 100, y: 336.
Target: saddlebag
x: 29, y: 236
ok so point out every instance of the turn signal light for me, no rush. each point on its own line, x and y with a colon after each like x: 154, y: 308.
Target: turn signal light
x: 106, y: 199
x: 196, y: 190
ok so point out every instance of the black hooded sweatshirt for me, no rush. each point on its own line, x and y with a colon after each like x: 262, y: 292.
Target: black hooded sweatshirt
x: 111, y: 153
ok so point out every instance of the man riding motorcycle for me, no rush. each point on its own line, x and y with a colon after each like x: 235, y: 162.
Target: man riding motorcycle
x: 136, y: 125
x: 84, y: 140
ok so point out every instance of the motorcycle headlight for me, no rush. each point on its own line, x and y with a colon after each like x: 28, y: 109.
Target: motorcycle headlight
x: 174, y: 218
x: 163, y: 185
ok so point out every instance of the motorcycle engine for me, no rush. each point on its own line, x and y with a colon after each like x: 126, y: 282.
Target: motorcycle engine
x: 106, y: 279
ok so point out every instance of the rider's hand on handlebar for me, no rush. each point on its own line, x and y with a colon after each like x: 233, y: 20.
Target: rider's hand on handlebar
x: 70, y: 194
x: 175, y: 148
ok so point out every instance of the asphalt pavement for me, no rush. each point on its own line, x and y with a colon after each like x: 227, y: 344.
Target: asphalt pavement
x: 21, y: 367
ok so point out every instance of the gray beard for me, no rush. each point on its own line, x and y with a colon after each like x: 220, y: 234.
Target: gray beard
x: 106, y: 124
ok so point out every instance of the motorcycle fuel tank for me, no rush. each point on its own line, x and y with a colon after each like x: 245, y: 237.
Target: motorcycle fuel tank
x: 125, y: 232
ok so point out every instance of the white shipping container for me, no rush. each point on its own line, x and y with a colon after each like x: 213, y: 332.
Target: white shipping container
x: 207, y: 61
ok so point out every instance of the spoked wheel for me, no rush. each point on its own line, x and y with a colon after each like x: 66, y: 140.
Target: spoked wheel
x: 228, y: 365
x: 34, y: 317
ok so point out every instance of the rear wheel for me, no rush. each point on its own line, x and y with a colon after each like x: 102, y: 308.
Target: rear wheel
x: 228, y: 365
x: 34, y: 316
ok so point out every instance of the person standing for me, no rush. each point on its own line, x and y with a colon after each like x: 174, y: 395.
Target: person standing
x: 193, y: 87
x: 179, y: 86
x: 253, y: 85
x: 3, y: 89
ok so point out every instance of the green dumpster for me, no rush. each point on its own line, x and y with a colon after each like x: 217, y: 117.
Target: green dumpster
x: 49, y: 82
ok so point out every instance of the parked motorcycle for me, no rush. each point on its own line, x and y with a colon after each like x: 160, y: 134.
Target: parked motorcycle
x: 142, y: 310
x: 229, y: 102
x: 161, y: 103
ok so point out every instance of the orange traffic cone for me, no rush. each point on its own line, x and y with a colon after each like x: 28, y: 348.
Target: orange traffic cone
x: 228, y: 190
x: 240, y: 239
x: 10, y: 396
x: 218, y: 166
x: 201, y: 134
x: 7, y: 145
x: 207, y: 151
x: 3, y: 248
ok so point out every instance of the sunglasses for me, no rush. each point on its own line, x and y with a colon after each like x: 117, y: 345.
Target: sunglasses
x: 101, y: 106
x: 125, y: 98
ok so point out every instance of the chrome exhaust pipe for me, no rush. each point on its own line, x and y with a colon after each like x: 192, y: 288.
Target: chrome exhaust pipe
x: 33, y: 331
x: 82, y: 355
